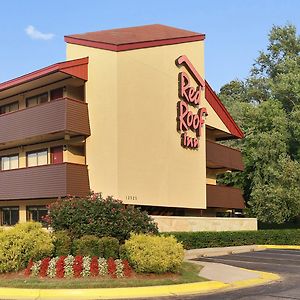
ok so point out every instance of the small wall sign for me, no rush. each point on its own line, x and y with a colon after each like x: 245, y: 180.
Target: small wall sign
x: 190, y: 97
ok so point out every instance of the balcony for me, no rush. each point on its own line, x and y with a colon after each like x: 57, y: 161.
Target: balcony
x: 220, y: 196
x: 222, y: 157
x: 48, y: 181
x: 44, y: 122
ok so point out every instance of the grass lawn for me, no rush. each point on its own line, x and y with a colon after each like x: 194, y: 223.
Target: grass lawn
x: 188, y: 273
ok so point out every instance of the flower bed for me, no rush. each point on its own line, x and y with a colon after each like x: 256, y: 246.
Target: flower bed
x: 78, y: 266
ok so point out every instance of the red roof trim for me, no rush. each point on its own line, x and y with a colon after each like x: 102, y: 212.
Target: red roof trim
x: 133, y: 46
x: 77, y: 68
x: 222, y: 112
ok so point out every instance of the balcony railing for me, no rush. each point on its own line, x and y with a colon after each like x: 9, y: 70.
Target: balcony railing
x: 222, y: 157
x: 220, y: 196
x: 46, y: 121
x: 48, y: 181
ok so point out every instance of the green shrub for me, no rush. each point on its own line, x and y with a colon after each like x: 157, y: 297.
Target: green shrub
x: 95, y: 215
x: 62, y: 243
x: 110, y: 247
x: 21, y: 243
x: 122, y: 252
x: 88, y: 245
x: 154, y: 254
x: 194, y: 240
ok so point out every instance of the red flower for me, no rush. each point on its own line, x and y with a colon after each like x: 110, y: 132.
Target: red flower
x: 94, y: 268
x: 126, y: 268
x: 77, y: 266
x: 111, y: 266
x: 60, y: 267
x: 27, y: 271
x: 44, y: 267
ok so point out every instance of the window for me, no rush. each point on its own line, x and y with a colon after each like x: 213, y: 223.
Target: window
x: 56, y: 94
x: 37, y: 213
x: 37, y: 158
x: 9, y: 216
x: 9, y: 107
x: 36, y: 100
x: 9, y: 162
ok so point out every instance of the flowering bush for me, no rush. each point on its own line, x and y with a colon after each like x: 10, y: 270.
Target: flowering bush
x: 95, y: 215
x: 69, y: 261
x: 78, y: 266
x: 102, y: 266
x: 112, y: 268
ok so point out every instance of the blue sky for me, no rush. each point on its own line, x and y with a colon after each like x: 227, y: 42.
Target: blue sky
x: 235, y: 29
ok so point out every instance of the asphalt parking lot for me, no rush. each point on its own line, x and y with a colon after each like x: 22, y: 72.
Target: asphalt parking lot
x: 286, y: 263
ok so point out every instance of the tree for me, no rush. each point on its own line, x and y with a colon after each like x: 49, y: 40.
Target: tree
x: 267, y: 107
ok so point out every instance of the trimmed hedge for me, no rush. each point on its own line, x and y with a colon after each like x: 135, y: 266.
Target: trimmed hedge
x: 196, y: 240
x: 62, y: 243
x: 21, y: 243
x: 88, y: 245
x: 110, y: 247
x: 154, y: 254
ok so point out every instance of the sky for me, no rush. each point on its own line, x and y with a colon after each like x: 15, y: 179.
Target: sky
x: 32, y: 32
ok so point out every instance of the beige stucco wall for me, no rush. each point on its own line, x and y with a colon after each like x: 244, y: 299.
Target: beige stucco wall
x: 101, y: 95
x: 170, y: 223
x: 134, y: 151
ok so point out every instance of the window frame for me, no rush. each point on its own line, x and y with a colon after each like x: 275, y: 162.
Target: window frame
x: 9, y: 156
x: 10, y: 209
x: 36, y: 208
x: 36, y: 152
x: 38, y: 99
x: 9, y: 105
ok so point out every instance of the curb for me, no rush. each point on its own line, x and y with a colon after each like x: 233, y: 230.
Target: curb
x: 138, y: 292
x: 287, y: 247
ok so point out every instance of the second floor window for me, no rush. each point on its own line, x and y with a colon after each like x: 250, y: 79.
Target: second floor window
x: 36, y: 100
x: 9, y: 107
x: 37, y: 158
x: 9, y: 162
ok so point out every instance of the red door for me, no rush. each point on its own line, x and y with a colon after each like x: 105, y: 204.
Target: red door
x: 56, y: 94
x: 57, y: 155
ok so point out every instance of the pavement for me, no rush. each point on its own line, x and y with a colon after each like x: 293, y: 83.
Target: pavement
x: 227, y: 268
x: 284, y: 262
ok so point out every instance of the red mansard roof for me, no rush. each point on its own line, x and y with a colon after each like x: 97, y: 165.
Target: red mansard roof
x: 222, y: 112
x: 130, y: 38
x: 76, y: 68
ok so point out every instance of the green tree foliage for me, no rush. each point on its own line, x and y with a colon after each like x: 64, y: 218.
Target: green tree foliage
x: 267, y: 107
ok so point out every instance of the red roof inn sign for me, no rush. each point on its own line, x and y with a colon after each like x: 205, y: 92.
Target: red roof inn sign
x: 190, y: 97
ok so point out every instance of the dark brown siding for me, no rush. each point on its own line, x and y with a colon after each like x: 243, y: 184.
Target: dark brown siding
x: 220, y: 156
x: 224, y: 197
x: 63, y: 115
x: 49, y: 181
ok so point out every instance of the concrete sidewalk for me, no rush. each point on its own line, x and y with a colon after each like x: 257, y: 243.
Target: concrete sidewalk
x: 222, y: 272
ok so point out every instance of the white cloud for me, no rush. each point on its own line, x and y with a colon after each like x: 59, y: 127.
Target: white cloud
x: 34, y: 34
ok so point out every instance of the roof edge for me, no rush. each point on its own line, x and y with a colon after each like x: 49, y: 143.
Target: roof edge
x: 134, y: 45
x: 67, y: 67
x: 222, y: 112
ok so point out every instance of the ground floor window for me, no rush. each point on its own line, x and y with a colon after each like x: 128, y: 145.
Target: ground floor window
x: 37, y: 213
x: 9, y: 216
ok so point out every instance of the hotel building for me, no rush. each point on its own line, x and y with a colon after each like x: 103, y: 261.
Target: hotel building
x: 129, y: 114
